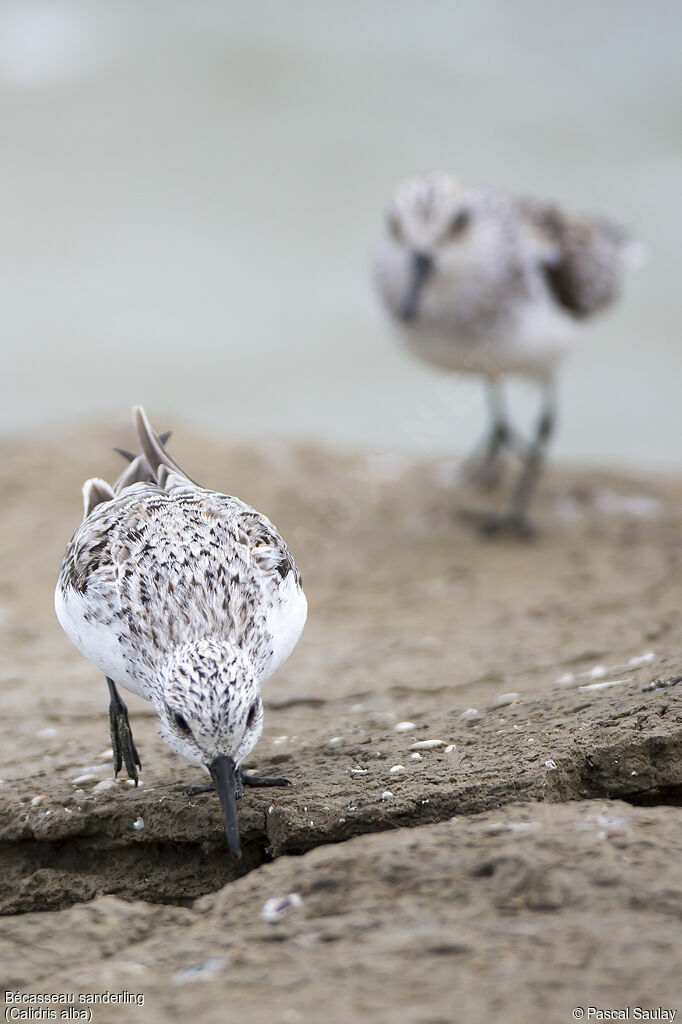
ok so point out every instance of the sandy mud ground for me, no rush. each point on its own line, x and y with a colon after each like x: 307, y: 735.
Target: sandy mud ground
x: 526, y: 864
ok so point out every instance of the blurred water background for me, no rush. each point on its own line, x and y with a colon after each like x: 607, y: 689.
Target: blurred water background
x: 190, y: 193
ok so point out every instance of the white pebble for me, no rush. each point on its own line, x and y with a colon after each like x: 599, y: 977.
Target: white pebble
x: 643, y: 659
x: 405, y: 726
x: 275, y: 908
x: 46, y: 734
x: 37, y: 800
x: 566, y: 679
x: 427, y: 744
x: 138, y: 824
x: 450, y: 748
x: 397, y: 768
x: 471, y: 715
x: 598, y: 672
x: 551, y: 765
x: 84, y: 778
x: 279, y: 739
x: 334, y: 739
x: 386, y: 795
x: 604, y: 686
x: 503, y: 699
x: 199, y: 972
x: 416, y: 757
x: 104, y: 785
x: 342, y: 821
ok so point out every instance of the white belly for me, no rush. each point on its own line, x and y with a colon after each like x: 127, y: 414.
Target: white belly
x: 285, y: 621
x: 96, y: 640
x: 532, y: 347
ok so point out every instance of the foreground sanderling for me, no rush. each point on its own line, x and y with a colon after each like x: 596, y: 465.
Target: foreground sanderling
x: 189, y: 598
x: 482, y: 281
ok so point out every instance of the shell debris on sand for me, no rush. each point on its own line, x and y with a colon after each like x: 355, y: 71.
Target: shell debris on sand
x: 471, y: 716
x: 405, y: 726
x: 199, y: 972
x: 275, y: 908
x: 138, y: 824
x: 397, y: 768
x: 427, y: 744
x: 503, y: 700
x: 604, y: 685
x: 102, y: 786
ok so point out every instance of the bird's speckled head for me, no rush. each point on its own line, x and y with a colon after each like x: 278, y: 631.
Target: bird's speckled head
x: 443, y: 242
x: 209, y: 702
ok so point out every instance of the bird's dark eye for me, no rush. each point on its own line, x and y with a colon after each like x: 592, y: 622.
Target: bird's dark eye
x: 182, y: 724
x: 459, y: 223
x: 251, y: 717
x: 394, y: 226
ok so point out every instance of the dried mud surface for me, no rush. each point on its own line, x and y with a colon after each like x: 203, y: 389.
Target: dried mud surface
x: 525, y: 865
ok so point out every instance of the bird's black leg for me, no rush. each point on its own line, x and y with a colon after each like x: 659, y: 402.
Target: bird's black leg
x: 516, y: 519
x: 243, y: 780
x: 122, y: 742
x: 484, y: 465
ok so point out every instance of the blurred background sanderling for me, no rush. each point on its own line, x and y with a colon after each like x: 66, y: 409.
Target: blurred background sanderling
x: 190, y: 196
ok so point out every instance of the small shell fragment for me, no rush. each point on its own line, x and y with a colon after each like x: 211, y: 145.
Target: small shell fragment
x: 138, y: 824
x: 397, y: 768
x: 605, y: 685
x: 89, y: 777
x: 405, y: 727
x: 104, y: 785
x: 450, y: 747
x: 551, y: 764
x: 274, y: 909
x: 427, y: 744
x: 416, y: 757
x: 503, y: 700
x: 471, y: 715
x: 386, y: 795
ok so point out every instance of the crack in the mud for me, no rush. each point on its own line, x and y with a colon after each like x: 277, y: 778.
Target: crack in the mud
x: 635, y: 757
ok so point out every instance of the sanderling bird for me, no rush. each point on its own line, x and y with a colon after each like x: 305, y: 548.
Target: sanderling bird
x: 189, y: 598
x: 482, y: 281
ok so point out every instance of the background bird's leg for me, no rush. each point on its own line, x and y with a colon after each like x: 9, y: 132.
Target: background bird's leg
x: 516, y: 520
x: 484, y: 465
x: 122, y: 742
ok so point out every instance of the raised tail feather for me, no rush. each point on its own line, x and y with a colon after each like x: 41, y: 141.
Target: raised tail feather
x: 152, y: 465
x: 159, y: 462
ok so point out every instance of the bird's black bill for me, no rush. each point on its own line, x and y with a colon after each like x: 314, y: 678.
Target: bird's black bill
x: 224, y: 774
x: 422, y: 265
